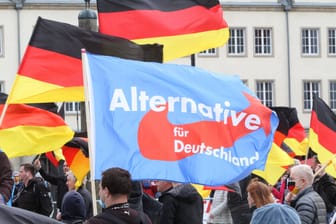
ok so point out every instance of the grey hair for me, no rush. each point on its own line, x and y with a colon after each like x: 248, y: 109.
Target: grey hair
x: 72, y: 176
x: 304, y: 171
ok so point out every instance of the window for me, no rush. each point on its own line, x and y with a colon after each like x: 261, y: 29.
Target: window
x: 212, y: 52
x: 1, y: 41
x: 263, y: 41
x: 310, y: 42
x: 332, y: 41
x: 72, y: 107
x: 2, y: 86
x: 309, y: 89
x: 236, y: 43
x: 332, y: 94
x: 264, y: 91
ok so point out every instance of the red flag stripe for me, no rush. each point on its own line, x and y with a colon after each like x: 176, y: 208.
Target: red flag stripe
x: 326, y: 136
x: 179, y: 22
x: 52, y: 67
x: 23, y: 115
x: 297, y: 132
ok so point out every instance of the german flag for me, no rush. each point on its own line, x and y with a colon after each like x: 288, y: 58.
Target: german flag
x: 276, y: 165
x: 184, y: 27
x: 322, y: 132
x: 51, y: 69
x: 55, y: 156
x: 27, y: 130
x: 76, y: 154
x: 290, y: 134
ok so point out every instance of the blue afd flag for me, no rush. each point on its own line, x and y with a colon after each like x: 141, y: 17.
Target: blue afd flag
x: 174, y: 122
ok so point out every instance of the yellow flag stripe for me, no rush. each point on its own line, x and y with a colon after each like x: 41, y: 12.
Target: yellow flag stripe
x: 31, y: 140
x: 28, y: 90
x: 184, y: 45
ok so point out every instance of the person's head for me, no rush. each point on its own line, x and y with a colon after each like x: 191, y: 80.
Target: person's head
x: 258, y: 193
x: 115, y: 186
x: 302, y: 175
x: 71, y: 180
x: 16, y: 177
x: 73, y: 207
x: 27, y: 172
x: 315, y: 165
x: 162, y: 185
x: 65, y: 167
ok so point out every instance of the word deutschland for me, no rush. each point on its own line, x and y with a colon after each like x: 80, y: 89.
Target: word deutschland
x: 221, y: 153
x: 140, y: 101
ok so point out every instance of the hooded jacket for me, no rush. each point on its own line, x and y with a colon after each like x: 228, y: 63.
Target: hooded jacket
x: 182, y: 204
x: 73, y: 208
x: 275, y: 213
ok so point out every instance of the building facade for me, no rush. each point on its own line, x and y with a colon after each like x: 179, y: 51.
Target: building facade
x: 284, y: 50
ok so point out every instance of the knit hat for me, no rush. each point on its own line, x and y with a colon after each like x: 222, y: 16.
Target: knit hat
x: 73, y: 207
x: 275, y: 213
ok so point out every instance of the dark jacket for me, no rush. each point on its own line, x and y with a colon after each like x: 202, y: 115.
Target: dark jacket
x: 73, y: 208
x: 6, y: 180
x: 119, y: 214
x: 34, y: 197
x: 59, y: 182
x: 325, y: 186
x: 181, y: 205
x: 237, y: 202
x: 87, y: 200
x: 310, y: 207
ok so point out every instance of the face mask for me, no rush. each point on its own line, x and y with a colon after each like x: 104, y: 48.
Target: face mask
x: 101, y: 203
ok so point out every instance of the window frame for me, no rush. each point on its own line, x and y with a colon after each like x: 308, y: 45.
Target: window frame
x: 2, y: 42
x: 208, y: 53
x: 265, y: 92
x: 332, y: 94
x: 309, y: 94
x: 263, y: 45
x: 74, y: 106
x: 236, y: 46
x: 2, y: 86
x: 333, y: 45
x: 310, y: 45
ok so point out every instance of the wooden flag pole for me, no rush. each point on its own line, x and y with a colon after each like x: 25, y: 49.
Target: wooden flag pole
x: 324, y: 166
x: 3, y: 113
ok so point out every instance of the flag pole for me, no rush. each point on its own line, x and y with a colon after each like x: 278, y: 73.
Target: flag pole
x: 3, y: 113
x: 90, y: 137
x: 324, y: 166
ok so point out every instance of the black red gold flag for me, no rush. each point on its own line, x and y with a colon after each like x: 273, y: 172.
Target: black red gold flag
x: 28, y: 130
x: 290, y: 134
x: 51, y: 69
x: 322, y: 133
x: 184, y: 27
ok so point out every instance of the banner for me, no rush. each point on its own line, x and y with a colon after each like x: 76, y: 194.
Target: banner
x: 322, y: 133
x: 290, y: 133
x: 174, y: 122
x: 184, y: 27
x: 28, y: 130
x: 51, y: 69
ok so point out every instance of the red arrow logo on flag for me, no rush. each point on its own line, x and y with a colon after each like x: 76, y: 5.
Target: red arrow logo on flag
x: 158, y: 138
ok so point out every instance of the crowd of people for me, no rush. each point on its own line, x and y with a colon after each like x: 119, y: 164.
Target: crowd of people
x: 305, y: 194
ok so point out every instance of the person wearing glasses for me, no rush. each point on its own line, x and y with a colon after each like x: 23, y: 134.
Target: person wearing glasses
x: 306, y: 201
